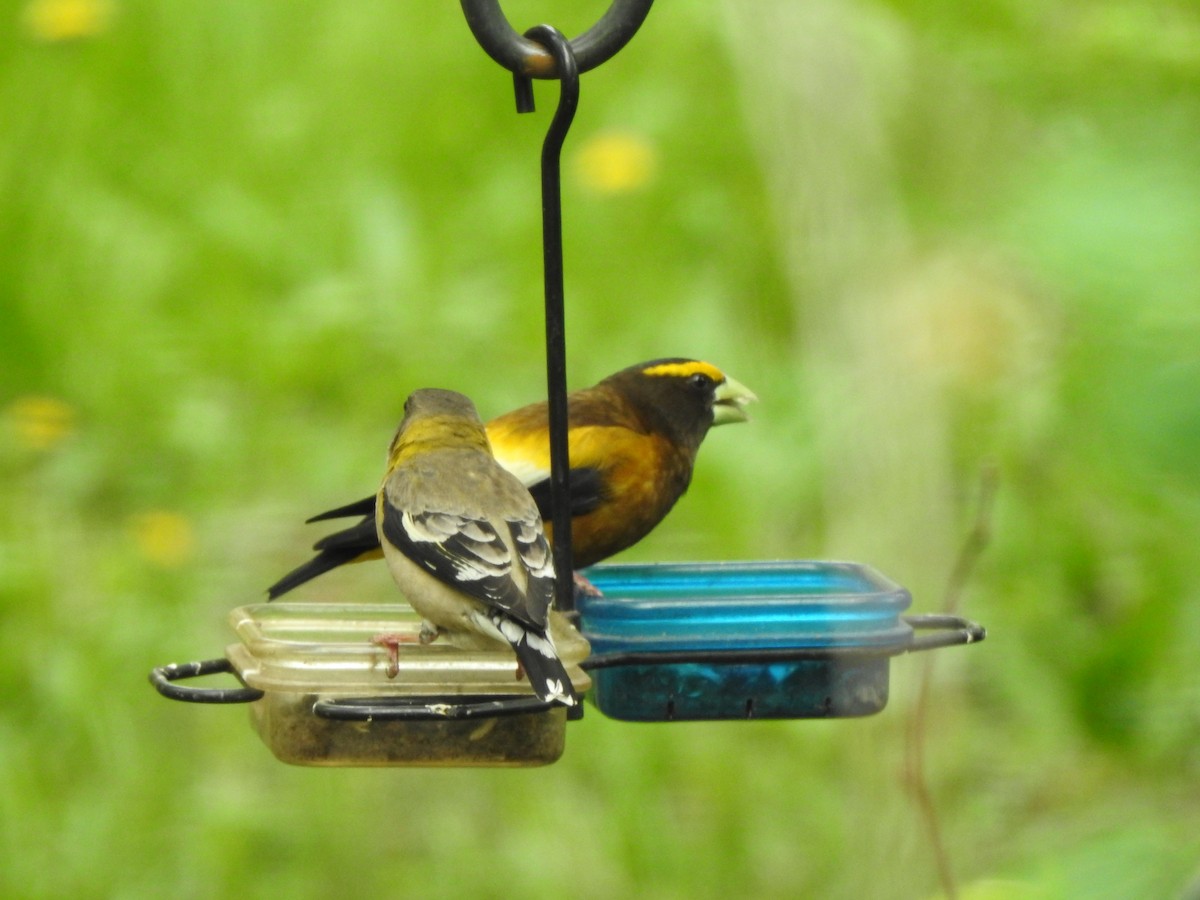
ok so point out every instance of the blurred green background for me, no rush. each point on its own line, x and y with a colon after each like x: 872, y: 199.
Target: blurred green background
x: 932, y: 236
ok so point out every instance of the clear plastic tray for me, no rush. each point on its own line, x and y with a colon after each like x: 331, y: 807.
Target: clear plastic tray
x: 328, y: 699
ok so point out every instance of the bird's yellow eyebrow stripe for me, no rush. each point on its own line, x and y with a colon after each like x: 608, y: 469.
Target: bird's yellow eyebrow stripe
x: 684, y: 369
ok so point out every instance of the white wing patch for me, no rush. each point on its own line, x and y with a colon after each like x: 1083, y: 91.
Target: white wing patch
x: 511, y: 630
x: 469, y: 570
x: 543, y: 645
x: 473, y: 530
x: 533, y: 548
x: 432, y: 528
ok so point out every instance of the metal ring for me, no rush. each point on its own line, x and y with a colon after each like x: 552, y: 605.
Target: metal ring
x: 162, y: 677
x: 524, y: 57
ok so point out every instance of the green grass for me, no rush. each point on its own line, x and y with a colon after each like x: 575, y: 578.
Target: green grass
x: 234, y: 236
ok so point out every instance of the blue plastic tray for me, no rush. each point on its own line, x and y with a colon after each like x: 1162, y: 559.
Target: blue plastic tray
x: 694, y: 641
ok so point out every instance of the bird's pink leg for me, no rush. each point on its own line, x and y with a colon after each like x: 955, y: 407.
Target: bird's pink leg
x: 584, y: 588
x: 391, y: 641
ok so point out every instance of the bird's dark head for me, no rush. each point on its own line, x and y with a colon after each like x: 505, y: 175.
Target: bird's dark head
x: 683, y: 397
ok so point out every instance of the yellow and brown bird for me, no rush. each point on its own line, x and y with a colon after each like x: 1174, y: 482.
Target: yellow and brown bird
x: 463, y: 539
x: 632, y: 442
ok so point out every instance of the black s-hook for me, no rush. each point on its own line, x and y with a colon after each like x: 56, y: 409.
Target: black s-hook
x: 552, y: 262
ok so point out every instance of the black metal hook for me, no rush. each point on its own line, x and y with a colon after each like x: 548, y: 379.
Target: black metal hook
x: 525, y: 57
x: 552, y: 262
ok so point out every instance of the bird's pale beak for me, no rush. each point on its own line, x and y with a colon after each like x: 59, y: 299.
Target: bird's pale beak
x: 729, y: 401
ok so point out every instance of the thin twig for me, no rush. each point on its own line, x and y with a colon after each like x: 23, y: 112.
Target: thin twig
x: 915, y: 737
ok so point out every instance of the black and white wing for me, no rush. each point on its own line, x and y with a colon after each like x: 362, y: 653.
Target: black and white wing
x: 470, y: 553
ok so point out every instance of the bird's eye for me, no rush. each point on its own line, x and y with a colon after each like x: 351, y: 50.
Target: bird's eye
x: 700, y: 381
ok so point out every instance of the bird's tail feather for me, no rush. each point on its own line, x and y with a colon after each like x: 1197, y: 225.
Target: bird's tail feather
x: 355, y: 544
x: 535, y: 651
x: 325, y: 561
x: 363, y: 507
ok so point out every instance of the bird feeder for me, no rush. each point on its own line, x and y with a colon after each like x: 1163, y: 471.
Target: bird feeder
x: 668, y: 642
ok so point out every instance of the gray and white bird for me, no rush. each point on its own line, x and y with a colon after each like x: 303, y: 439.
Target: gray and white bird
x: 464, y: 541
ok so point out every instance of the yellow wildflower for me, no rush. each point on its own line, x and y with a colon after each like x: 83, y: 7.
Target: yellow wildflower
x: 615, y: 163
x: 164, y: 538
x: 38, y: 422
x: 67, y: 20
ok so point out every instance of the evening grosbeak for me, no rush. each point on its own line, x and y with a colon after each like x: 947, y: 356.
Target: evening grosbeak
x: 464, y: 541
x: 632, y: 442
